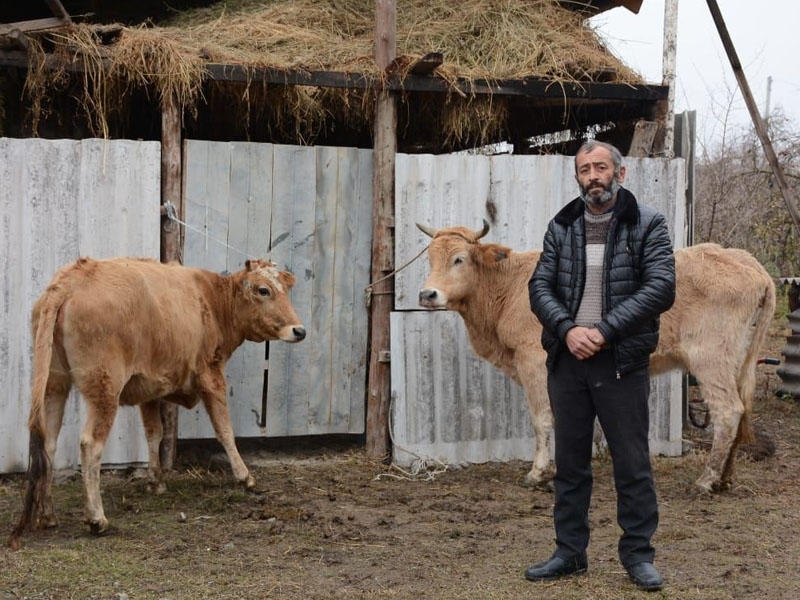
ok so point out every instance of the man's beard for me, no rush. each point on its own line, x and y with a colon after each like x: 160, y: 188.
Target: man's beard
x: 608, y: 194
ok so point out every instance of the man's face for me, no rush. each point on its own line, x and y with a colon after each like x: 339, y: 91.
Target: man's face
x: 596, y: 178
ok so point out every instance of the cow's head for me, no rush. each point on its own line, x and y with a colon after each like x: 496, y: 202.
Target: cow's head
x: 456, y: 258
x: 265, y: 312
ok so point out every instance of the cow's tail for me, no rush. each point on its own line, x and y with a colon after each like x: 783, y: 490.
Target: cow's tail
x: 762, y: 319
x: 44, y: 323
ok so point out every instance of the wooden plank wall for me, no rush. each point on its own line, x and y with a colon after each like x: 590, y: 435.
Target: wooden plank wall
x: 309, y: 210
x: 447, y: 403
x: 61, y: 199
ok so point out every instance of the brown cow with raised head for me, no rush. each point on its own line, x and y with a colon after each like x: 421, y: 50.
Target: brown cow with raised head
x: 724, y: 303
x: 130, y: 331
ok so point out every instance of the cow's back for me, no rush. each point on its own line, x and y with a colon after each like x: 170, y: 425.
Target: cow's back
x: 154, y: 320
x: 719, y: 293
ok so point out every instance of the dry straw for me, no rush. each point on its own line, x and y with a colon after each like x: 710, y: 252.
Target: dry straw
x: 479, y: 39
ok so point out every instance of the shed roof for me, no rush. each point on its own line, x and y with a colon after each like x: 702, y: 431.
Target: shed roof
x: 467, y: 74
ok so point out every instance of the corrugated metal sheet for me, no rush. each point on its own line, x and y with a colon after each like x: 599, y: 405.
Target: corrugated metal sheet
x: 525, y: 191
x: 789, y: 371
x: 448, y: 403
x: 61, y: 199
x: 309, y: 209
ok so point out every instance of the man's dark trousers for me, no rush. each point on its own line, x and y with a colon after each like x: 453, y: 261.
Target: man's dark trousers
x: 580, y: 390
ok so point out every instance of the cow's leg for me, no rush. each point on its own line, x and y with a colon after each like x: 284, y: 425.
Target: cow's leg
x: 56, y: 393
x: 100, y: 390
x: 213, y: 396
x: 725, y: 409
x: 532, y: 373
x: 726, y: 478
x: 747, y: 390
x: 153, y: 431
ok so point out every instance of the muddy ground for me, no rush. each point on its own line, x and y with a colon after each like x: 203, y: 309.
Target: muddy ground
x: 328, y: 523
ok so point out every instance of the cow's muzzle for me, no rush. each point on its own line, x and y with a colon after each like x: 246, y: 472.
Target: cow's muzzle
x: 292, y: 333
x: 430, y: 298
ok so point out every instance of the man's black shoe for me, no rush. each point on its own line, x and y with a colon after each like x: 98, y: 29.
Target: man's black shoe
x: 554, y: 568
x: 646, y: 576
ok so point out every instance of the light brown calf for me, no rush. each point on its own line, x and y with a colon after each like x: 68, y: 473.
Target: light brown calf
x: 130, y: 331
x: 724, y: 303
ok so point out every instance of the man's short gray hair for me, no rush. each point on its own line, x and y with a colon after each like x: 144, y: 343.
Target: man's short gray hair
x: 588, y: 146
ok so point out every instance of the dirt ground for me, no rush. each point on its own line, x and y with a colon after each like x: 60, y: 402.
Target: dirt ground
x: 328, y: 523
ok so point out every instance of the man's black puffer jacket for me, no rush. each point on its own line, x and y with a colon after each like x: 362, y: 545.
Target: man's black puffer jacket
x: 638, y: 280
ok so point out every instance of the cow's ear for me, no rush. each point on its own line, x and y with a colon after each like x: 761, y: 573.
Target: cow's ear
x: 286, y: 279
x: 248, y: 265
x: 490, y: 254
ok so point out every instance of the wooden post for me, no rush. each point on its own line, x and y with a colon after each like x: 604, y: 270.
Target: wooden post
x: 761, y: 129
x: 58, y: 10
x: 171, y: 244
x: 668, y: 72
x: 663, y: 110
x: 382, y: 299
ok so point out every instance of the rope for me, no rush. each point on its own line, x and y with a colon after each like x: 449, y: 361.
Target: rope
x: 368, y: 291
x: 172, y: 215
x: 425, y: 468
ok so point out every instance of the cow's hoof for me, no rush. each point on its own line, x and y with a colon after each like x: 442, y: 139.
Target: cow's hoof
x: 99, y: 527
x: 249, y: 483
x: 533, y: 478
x: 721, y: 486
x: 46, y: 522
x: 539, y: 480
x: 157, y: 488
x: 703, y: 487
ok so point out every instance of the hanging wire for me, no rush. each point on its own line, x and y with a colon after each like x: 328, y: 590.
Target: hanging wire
x: 368, y: 291
x: 172, y: 214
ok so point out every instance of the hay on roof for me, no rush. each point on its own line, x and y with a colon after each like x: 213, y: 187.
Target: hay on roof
x: 479, y: 39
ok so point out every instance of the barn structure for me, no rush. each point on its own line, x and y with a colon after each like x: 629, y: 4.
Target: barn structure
x: 316, y: 133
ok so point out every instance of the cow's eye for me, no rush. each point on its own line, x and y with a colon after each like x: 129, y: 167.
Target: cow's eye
x: 458, y: 260
x: 263, y: 290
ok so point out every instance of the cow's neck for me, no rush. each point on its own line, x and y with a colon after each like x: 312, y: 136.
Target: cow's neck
x: 486, y: 307
x: 221, y: 296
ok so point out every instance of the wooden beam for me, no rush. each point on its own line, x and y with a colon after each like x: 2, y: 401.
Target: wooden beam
x: 20, y: 38
x: 532, y: 87
x: 58, y: 10
x: 32, y: 25
x: 594, y: 7
x: 171, y: 244
x: 382, y: 281
x: 528, y: 87
x: 642, y: 142
x: 761, y: 129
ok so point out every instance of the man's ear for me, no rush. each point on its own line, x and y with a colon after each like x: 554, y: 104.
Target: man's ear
x: 621, y: 175
x: 490, y: 254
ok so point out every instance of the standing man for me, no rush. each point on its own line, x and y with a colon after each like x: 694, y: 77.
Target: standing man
x: 605, y: 274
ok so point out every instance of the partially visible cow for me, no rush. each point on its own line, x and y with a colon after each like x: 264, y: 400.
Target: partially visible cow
x: 130, y: 331
x: 724, y: 304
